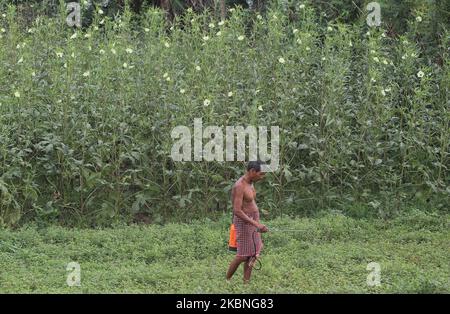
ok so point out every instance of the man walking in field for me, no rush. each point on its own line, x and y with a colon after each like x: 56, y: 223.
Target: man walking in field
x: 246, y: 220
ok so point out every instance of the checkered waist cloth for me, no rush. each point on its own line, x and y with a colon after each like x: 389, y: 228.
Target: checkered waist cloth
x: 245, y: 239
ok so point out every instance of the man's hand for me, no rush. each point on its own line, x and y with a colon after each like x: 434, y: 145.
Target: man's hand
x: 262, y: 228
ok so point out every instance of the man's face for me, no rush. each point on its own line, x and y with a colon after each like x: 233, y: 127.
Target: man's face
x: 257, y: 175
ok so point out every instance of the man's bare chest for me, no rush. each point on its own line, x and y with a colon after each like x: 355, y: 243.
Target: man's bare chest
x: 249, y: 194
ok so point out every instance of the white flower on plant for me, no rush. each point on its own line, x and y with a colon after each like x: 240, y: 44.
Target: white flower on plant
x: 3, y: 15
x: 73, y: 55
x: 73, y: 36
x: 129, y: 50
x: 205, y: 38
x: 20, y: 60
x: 383, y: 35
x: 329, y: 28
x: 31, y: 30
x: 387, y: 89
x: 86, y: 74
x: 376, y: 59
x: 241, y: 38
x: 168, y: 79
x: 221, y: 23
x: 182, y: 90
x: 373, y: 80
x: 17, y: 94
x: 302, y: 6
x: 231, y: 10
x: 419, y: 19
x: 368, y: 34
x: 211, y: 25
x: 308, y: 49
x: 275, y: 17
x: 299, y: 41
x: 146, y: 30
x: 100, y: 11
x: 125, y: 65
x: 385, y: 62
x: 59, y: 54
x: 3, y: 30
x: 373, y: 51
x: 219, y: 33
x: 101, y: 22
x: 323, y: 58
x: 259, y: 17
x: 113, y: 51
x: 260, y: 108
x: 206, y: 102
x: 166, y: 44
x: 87, y: 35
x: 350, y: 44
x: 404, y: 56
x: 33, y: 74
x: 230, y: 94
x: 383, y: 92
x: 281, y: 60
x: 165, y: 75
x: 102, y: 51
x: 295, y: 31
x: 65, y: 65
x: 420, y: 74
x: 96, y: 28
x: 198, y: 68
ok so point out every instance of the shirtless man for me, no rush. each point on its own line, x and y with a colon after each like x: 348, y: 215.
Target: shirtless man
x: 246, y: 221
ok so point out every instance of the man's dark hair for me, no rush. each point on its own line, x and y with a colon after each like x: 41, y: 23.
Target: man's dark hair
x: 255, y: 164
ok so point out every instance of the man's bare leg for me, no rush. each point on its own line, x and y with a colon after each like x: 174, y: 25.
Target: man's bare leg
x: 234, y: 265
x: 248, y: 266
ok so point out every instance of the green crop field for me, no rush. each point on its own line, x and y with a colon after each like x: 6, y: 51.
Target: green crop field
x: 329, y: 254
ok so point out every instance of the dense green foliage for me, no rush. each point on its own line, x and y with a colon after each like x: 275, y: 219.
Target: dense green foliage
x: 329, y: 255
x: 86, y: 115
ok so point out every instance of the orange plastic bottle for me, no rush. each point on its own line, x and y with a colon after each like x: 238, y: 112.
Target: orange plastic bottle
x: 232, y: 245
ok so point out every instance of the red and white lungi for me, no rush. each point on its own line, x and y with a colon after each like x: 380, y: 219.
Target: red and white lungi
x: 249, y: 243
